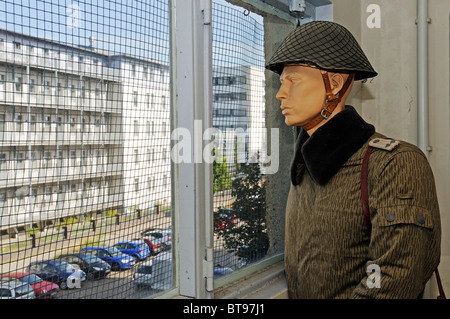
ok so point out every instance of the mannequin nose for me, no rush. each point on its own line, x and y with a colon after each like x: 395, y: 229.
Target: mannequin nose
x: 282, y: 93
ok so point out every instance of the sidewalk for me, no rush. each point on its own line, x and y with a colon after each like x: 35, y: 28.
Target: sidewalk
x: 108, y: 234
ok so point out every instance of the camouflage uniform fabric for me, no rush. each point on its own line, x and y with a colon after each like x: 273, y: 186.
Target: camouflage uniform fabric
x: 328, y: 252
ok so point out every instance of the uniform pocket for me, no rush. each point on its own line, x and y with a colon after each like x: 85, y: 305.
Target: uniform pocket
x: 395, y: 215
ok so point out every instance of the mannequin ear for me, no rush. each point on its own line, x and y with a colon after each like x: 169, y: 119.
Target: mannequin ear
x: 337, y: 81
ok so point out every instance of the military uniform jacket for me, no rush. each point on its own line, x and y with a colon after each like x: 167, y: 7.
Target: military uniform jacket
x: 329, y: 252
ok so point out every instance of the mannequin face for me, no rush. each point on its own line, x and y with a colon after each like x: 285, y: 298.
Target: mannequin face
x: 302, y: 94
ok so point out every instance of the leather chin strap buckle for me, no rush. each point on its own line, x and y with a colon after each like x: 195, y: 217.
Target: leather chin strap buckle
x: 331, y: 101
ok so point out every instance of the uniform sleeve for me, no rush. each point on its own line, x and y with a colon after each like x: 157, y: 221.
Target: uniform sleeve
x: 404, y: 248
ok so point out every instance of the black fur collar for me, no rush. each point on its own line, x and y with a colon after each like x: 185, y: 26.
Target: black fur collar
x: 330, y: 146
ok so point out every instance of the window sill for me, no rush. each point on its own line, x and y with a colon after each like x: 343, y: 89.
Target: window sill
x: 267, y: 283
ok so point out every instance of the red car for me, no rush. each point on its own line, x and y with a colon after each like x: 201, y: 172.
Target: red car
x: 42, y: 289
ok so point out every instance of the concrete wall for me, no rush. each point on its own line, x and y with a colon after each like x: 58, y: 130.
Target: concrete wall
x: 390, y: 100
x: 277, y: 187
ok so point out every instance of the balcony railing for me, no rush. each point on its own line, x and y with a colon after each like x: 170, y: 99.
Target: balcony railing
x: 55, y: 63
x: 51, y: 98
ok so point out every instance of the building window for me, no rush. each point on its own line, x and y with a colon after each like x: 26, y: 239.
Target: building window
x: 135, y: 98
x: 32, y: 83
x: 145, y: 73
x: 19, y: 121
x: 19, y: 160
x: 18, y: 84
x: 136, y: 128
x: 47, y: 86
x: 2, y: 123
x: 3, y: 164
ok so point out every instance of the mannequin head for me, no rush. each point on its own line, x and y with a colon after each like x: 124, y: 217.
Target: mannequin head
x: 303, y: 95
x: 309, y: 50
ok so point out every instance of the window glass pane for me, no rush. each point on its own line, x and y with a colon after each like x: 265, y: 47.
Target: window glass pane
x: 85, y: 138
x: 239, y: 120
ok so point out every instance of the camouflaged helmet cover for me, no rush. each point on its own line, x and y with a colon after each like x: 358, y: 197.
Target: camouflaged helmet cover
x: 327, y: 45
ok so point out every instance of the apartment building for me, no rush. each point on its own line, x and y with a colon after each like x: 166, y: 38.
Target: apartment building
x: 239, y: 112
x: 81, y: 132
x: 146, y: 132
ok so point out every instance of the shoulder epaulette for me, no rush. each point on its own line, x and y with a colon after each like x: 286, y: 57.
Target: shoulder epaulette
x: 385, y: 144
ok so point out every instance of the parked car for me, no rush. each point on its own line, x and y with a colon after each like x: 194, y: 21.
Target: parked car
x: 159, y: 237
x: 15, y: 289
x: 143, y: 274
x: 225, y: 219
x: 42, y: 289
x: 220, y: 271
x: 156, y: 273
x: 154, y: 248
x: 58, y: 272
x: 94, y: 267
x: 138, y: 249
x: 114, y: 257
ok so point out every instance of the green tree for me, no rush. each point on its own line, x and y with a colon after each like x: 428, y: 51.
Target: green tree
x: 222, y: 176
x: 249, y: 237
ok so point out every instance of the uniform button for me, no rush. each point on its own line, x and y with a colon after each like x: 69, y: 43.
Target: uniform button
x: 421, y: 220
x: 390, y: 217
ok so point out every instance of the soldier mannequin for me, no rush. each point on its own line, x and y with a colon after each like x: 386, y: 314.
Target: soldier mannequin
x: 329, y: 251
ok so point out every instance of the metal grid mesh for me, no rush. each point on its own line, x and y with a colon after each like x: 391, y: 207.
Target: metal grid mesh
x: 239, y: 120
x: 84, y: 151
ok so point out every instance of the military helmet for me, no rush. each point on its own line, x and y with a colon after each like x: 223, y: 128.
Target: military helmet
x: 324, y: 44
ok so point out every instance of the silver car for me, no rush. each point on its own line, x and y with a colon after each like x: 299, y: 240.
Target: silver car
x: 143, y: 274
x: 16, y: 290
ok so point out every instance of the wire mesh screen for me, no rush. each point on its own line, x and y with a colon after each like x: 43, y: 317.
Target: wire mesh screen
x: 85, y: 196
x: 239, y: 122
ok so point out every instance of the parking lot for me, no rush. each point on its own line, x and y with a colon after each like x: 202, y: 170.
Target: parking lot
x: 117, y: 285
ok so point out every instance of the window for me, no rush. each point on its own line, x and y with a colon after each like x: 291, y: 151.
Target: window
x: 135, y: 98
x: 19, y: 160
x: 97, y: 171
x: 136, y: 128
x: 47, y: 86
x: 31, y: 86
x: 3, y: 163
x: 18, y: 84
x: 2, y: 122
x: 19, y: 122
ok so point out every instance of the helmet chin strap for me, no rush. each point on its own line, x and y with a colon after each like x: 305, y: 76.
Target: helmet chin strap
x: 331, y: 101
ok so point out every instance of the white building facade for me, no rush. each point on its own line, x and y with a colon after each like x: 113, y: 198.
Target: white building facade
x: 71, y: 121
